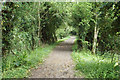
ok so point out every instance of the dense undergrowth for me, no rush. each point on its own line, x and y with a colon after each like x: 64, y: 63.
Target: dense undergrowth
x: 19, y: 67
x: 94, y: 66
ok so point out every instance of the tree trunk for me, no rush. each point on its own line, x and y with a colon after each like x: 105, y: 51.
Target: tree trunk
x: 39, y: 27
x: 96, y: 30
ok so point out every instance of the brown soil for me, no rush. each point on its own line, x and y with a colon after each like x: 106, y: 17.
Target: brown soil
x: 59, y: 64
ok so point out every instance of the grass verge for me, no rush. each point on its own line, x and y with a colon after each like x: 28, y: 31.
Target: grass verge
x: 28, y: 61
x: 94, y: 66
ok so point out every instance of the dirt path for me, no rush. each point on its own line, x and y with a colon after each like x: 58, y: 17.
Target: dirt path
x: 59, y: 64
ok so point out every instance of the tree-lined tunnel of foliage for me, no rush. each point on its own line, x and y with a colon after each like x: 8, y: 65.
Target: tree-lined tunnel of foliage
x: 28, y: 25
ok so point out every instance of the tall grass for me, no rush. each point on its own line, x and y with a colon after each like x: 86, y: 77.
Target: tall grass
x: 94, y: 66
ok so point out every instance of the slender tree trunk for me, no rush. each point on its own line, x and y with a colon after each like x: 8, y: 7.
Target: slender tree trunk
x: 39, y: 27
x: 96, y: 30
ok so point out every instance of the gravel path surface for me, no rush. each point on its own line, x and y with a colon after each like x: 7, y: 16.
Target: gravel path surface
x: 59, y: 64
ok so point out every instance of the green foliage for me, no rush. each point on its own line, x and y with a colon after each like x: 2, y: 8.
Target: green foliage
x: 17, y: 31
x: 0, y: 68
x: 107, y: 38
x: 26, y: 26
x: 63, y: 31
x: 84, y: 20
x: 75, y: 47
x: 21, y: 25
x: 15, y: 73
x: 82, y: 15
x: 17, y: 66
x: 95, y: 66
